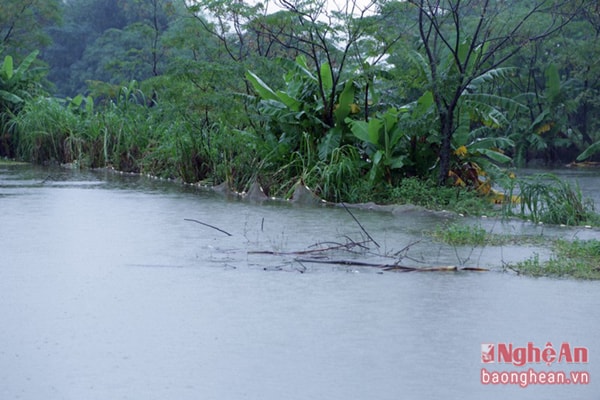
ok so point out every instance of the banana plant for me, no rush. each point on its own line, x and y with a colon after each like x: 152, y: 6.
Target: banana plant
x: 381, y: 136
x: 16, y: 83
x: 478, y: 147
x: 298, y: 110
x: 591, y: 150
x: 549, y: 129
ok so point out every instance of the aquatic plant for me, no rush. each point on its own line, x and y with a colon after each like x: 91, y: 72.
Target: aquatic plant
x: 458, y: 234
x: 578, y: 259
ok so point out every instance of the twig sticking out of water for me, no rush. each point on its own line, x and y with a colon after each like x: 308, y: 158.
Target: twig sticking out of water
x: 403, y: 253
x: 360, y: 225
x: 210, y: 226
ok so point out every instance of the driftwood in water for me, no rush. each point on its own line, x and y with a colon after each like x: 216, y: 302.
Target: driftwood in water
x: 321, y: 253
x: 389, y: 267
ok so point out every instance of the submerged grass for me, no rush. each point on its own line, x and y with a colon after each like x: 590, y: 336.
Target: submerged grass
x: 461, y: 234
x: 578, y: 259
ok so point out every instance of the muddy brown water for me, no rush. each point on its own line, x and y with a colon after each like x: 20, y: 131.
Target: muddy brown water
x: 107, y: 292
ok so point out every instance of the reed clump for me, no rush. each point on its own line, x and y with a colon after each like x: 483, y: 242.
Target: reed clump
x: 545, y: 198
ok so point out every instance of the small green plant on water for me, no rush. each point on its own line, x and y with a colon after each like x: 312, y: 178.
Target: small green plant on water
x: 458, y: 234
x: 465, y: 234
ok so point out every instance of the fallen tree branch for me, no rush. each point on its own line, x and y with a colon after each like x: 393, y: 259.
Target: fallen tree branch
x: 390, y: 267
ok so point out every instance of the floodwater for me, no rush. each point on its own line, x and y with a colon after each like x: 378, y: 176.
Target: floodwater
x: 108, y: 291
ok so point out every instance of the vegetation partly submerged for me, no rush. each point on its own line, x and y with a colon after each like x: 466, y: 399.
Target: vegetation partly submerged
x: 385, y: 102
x: 579, y: 259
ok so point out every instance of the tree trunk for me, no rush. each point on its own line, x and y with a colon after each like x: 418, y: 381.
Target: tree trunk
x: 447, y: 121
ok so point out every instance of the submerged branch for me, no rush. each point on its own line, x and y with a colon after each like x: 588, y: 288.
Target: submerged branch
x: 210, y: 226
x: 390, y: 267
x: 336, y: 246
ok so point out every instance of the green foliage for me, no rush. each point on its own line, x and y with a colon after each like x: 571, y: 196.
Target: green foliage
x: 579, y: 259
x: 548, y: 131
x: 429, y: 195
x: 382, y: 137
x: 110, y: 40
x: 458, y: 234
x: 23, y: 23
x: 479, y: 119
x: 546, y: 198
x: 296, y: 115
x: 338, y: 178
x: 168, y: 97
x: 590, y: 151
x: 17, y: 86
x: 297, y: 107
x: 461, y: 47
x: 48, y: 132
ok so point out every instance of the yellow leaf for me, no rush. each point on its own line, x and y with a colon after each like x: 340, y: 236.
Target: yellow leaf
x: 544, y: 128
x: 461, y: 151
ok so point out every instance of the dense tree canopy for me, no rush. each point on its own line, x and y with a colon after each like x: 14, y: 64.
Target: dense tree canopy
x: 23, y: 23
x: 329, y: 92
x: 467, y: 41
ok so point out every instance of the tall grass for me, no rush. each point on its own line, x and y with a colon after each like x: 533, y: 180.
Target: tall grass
x: 337, y: 178
x: 549, y: 199
x: 47, y: 131
x: 132, y: 136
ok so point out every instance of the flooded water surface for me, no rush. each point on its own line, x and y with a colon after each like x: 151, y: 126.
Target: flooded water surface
x: 108, y: 291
